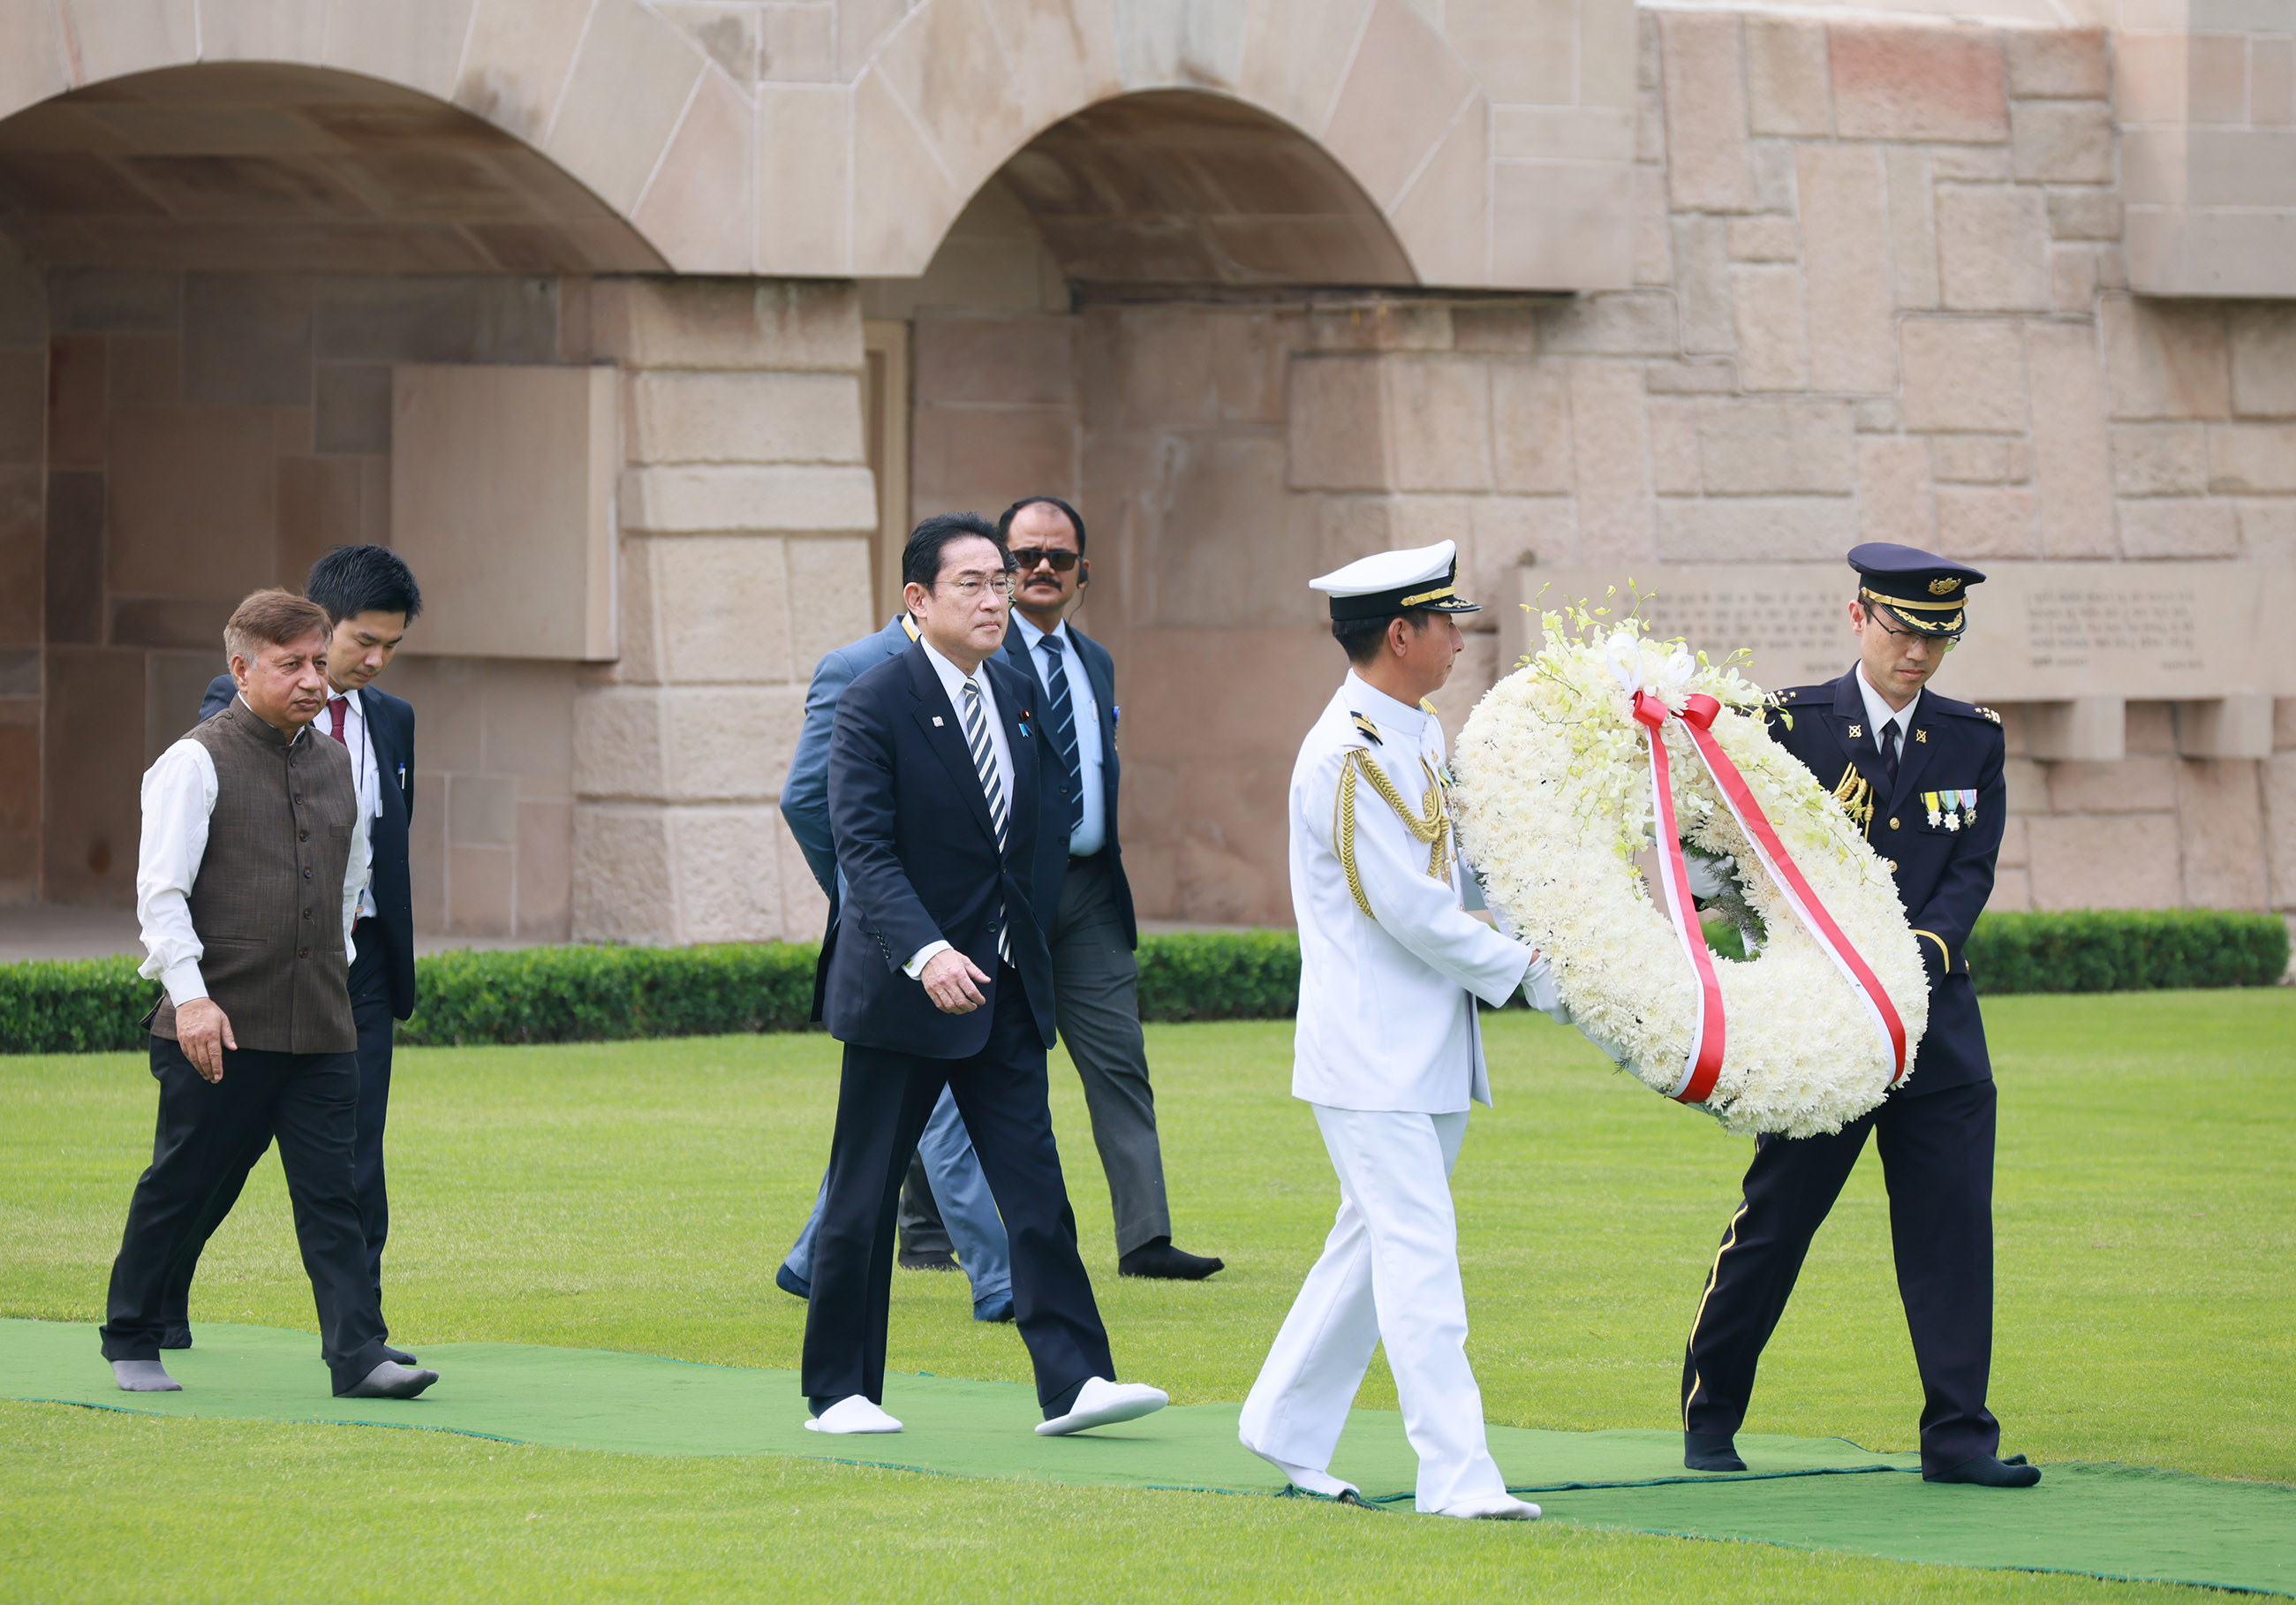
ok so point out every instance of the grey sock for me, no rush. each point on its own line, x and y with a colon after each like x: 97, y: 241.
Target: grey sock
x: 391, y: 1380
x: 144, y: 1376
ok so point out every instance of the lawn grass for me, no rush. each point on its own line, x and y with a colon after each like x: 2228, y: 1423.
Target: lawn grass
x: 638, y: 1196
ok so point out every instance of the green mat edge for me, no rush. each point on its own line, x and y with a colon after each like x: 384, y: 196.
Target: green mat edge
x: 1385, y: 1505
x: 1390, y: 1505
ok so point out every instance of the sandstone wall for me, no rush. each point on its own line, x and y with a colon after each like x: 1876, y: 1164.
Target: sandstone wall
x: 1879, y: 295
x: 747, y: 510
x: 204, y: 435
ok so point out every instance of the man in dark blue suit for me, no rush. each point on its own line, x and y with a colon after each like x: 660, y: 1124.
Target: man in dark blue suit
x: 936, y: 975
x: 371, y: 597
x: 946, y: 1202
x: 1922, y: 775
x: 1080, y: 882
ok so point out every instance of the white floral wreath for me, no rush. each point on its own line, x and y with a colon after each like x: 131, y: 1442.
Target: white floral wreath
x: 1555, y: 798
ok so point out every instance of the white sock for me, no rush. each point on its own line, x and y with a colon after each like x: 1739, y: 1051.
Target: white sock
x: 1313, y: 1481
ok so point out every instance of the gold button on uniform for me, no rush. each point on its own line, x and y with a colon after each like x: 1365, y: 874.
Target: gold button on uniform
x: 1893, y: 866
x: 1893, y: 824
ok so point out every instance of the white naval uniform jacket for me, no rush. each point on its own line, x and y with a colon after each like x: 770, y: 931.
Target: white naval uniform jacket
x: 1387, y: 1014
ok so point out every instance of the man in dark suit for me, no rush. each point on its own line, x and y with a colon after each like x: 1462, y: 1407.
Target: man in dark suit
x: 1080, y: 883
x: 370, y: 597
x: 945, y: 1203
x: 1922, y: 774
x: 935, y: 975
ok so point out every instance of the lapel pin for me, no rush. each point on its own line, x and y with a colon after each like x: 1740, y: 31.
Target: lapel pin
x: 1855, y: 731
x: 1921, y: 736
x: 936, y: 721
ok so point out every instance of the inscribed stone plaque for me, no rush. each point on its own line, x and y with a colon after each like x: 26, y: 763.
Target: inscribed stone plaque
x: 2037, y: 632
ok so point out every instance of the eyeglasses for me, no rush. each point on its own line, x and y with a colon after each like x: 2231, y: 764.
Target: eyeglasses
x: 969, y: 586
x: 1942, y: 643
x: 1026, y: 558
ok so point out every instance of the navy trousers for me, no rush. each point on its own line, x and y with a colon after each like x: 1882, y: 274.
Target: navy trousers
x: 204, y: 1130
x: 369, y: 986
x: 1937, y: 1161
x: 882, y: 1104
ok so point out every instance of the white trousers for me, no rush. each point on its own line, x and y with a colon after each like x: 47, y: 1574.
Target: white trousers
x: 1388, y: 1274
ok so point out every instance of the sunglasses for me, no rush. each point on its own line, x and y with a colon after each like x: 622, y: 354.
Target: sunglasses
x: 1026, y: 558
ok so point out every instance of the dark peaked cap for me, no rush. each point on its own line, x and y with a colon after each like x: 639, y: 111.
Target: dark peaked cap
x: 1924, y: 590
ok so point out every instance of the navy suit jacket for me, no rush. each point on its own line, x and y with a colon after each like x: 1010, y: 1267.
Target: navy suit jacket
x: 919, y: 854
x: 805, y: 794
x: 1944, y: 875
x: 391, y: 730
x: 1052, y: 854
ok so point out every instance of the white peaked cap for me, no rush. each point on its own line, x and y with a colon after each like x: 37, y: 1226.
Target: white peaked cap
x: 1389, y: 582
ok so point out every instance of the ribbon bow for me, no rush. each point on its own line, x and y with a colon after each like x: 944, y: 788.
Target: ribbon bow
x: 1702, y: 1064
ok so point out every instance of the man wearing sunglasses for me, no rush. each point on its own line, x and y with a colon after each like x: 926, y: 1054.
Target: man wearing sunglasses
x: 1921, y: 775
x: 1080, y: 882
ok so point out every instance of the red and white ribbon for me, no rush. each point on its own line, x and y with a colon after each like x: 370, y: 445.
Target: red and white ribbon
x: 1698, y: 711
x: 1702, y: 1064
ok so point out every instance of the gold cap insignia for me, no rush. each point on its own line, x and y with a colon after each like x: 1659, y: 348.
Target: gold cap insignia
x: 1944, y: 588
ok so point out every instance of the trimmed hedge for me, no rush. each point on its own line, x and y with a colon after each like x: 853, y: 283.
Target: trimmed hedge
x: 608, y: 994
x: 592, y: 994
x: 2126, y: 950
x: 1219, y: 976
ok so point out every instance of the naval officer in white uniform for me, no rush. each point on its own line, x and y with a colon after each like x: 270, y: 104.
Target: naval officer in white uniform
x: 1387, y: 1050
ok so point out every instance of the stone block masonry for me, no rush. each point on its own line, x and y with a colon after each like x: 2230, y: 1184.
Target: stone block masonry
x: 747, y: 510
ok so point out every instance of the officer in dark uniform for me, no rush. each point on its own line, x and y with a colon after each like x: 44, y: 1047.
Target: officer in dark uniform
x: 1922, y: 774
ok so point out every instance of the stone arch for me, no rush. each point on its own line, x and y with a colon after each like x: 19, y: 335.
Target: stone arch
x: 1369, y: 90
x: 267, y: 167
x: 613, y: 120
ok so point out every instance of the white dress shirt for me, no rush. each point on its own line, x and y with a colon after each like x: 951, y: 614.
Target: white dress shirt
x: 1091, y: 832
x: 179, y: 795
x: 1879, y: 713
x: 366, y: 770
x: 953, y: 680
x: 1387, y: 1004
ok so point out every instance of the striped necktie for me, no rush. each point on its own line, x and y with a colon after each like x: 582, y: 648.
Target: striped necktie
x: 1059, y: 710
x: 984, y: 760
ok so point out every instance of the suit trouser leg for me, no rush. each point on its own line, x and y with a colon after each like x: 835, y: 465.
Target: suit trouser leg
x: 200, y: 1151
x: 316, y: 1117
x: 922, y: 1229
x: 1788, y: 1190
x: 1096, y: 996
x: 968, y: 1210
x: 1937, y: 1156
x: 883, y: 1102
x: 175, y: 1301
x: 370, y: 987
x: 1394, y: 1171
x: 1300, y: 1401
x: 1000, y: 1092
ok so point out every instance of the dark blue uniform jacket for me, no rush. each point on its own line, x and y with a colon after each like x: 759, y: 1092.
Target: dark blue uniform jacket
x: 1944, y: 870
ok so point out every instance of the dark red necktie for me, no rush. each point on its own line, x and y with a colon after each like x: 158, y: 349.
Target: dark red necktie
x: 336, y: 708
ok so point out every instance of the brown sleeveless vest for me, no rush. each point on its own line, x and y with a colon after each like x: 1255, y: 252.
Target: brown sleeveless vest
x: 267, y: 903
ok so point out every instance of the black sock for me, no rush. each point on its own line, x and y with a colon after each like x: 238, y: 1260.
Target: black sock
x: 1061, y: 1402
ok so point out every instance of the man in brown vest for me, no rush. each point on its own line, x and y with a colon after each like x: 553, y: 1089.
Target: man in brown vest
x: 246, y: 885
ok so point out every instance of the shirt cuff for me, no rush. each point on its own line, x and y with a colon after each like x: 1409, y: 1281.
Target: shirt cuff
x: 916, y: 966
x: 183, y: 981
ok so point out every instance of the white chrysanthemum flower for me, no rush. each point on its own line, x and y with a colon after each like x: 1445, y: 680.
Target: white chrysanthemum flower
x: 1554, y: 802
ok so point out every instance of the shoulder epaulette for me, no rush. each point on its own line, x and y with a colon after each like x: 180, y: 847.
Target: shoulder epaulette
x: 1990, y: 713
x: 1425, y: 706
x: 1370, y: 730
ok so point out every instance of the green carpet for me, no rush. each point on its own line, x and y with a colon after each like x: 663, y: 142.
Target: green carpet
x: 2113, y: 1521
